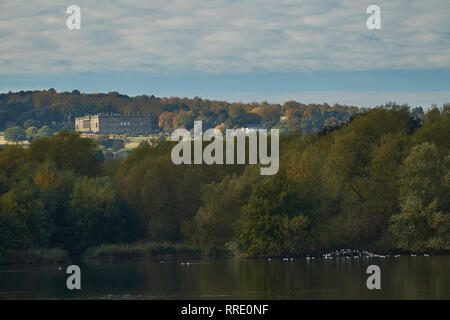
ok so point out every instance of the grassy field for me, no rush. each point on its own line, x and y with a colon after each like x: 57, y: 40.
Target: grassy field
x: 130, y: 142
x: 133, y: 142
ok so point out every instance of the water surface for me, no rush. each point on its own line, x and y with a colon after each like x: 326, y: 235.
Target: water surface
x: 340, y: 278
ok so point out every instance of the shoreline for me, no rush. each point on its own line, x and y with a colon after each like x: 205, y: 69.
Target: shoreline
x: 178, y: 251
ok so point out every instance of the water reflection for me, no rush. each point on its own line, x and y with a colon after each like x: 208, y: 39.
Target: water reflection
x: 340, y: 278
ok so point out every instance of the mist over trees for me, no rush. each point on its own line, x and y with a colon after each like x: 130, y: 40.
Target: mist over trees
x: 381, y: 181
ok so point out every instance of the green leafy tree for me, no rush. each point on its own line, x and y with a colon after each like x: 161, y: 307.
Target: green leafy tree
x: 15, y: 134
x: 12, y: 158
x: 45, y: 131
x: 270, y: 224
x: 96, y: 215
x: 69, y: 151
x: 421, y: 225
x: 31, y: 132
x: 215, y: 222
x: 24, y: 221
x: 435, y: 130
x: 31, y: 123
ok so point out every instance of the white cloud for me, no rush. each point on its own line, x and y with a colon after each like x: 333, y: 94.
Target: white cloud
x: 222, y: 36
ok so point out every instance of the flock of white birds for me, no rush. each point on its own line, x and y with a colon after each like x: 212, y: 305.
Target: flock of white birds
x: 343, y: 254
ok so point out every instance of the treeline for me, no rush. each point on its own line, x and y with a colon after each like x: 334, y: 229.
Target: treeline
x: 379, y: 182
x: 25, y: 109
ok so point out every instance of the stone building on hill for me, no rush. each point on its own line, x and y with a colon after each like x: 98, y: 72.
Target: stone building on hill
x: 114, y: 124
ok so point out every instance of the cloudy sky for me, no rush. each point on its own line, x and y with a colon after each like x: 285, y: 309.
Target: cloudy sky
x: 237, y: 50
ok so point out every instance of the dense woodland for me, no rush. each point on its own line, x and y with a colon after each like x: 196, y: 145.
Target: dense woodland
x: 378, y: 182
x: 56, y: 111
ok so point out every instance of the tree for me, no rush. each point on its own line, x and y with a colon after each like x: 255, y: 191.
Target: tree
x: 24, y: 221
x: 421, y: 225
x: 215, y: 221
x: 184, y: 119
x: 435, y: 129
x: 420, y: 229
x: 271, y: 224
x: 45, y: 131
x: 96, y: 215
x: 69, y: 151
x: 15, y: 134
x: 104, y: 141
x: 267, y: 113
x: 31, y: 132
x: 117, y: 145
x: 421, y: 176
x: 31, y: 123
x: 12, y: 158
x: 166, y: 121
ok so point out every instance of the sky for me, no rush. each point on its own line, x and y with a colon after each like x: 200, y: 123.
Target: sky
x: 312, y: 51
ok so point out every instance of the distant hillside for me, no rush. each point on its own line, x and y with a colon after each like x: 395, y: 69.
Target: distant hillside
x: 58, y: 110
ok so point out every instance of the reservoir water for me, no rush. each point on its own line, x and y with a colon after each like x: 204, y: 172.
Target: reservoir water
x: 405, y: 277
